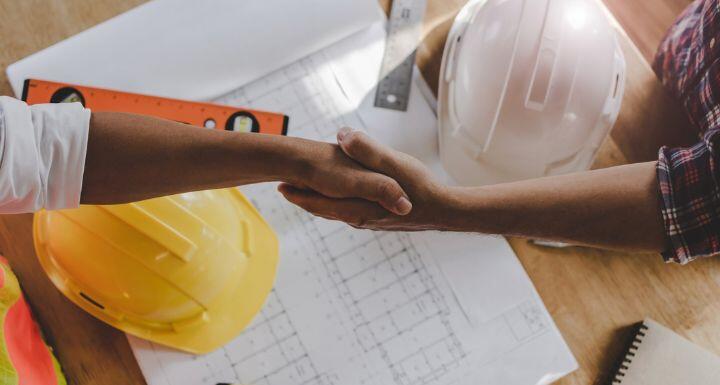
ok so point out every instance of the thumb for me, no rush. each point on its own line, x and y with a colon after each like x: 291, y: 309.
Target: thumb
x: 385, y: 191
x: 366, y: 151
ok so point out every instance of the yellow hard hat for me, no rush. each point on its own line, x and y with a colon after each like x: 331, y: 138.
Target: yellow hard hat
x: 189, y: 271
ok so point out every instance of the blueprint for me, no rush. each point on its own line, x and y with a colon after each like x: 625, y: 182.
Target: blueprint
x: 349, y: 307
x: 356, y: 307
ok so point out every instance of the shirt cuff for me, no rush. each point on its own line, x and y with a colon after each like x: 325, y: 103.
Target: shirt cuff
x: 43, y: 155
x: 689, y: 201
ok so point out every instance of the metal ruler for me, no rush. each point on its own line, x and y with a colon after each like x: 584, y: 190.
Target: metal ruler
x: 403, y: 35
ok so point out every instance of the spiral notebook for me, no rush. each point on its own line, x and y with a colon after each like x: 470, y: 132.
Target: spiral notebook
x: 658, y: 356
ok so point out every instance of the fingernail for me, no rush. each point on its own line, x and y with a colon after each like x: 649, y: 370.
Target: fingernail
x: 343, y: 133
x: 402, y: 206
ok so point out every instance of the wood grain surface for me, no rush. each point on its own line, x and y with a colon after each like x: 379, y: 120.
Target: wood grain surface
x: 593, y: 295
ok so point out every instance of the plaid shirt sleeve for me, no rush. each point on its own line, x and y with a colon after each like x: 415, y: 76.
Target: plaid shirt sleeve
x: 688, y: 65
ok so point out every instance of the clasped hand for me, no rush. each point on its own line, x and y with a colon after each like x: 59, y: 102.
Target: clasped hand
x: 368, y: 185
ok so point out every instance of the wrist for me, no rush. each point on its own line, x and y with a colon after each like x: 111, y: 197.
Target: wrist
x: 265, y: 158
x: 436, y: 207
x: 458, y: 208
x: 295, y: 160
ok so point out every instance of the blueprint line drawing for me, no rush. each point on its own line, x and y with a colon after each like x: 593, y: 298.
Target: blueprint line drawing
x: 292, y: 360
x: 391, y: 299
x: 357, y: 307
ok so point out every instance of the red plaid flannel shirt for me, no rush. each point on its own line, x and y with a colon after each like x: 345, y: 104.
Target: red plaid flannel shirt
x: 688, y: 64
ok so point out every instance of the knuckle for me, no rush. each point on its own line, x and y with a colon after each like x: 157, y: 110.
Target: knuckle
x: 350, y: 142
x: 385, y: 189
x: 384, y: 162
x: 354, y: 141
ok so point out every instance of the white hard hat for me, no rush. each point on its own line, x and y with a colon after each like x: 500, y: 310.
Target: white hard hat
x: 528, y: 88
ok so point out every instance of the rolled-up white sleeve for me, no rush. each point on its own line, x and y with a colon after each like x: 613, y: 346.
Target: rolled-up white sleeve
x: 42, y: 156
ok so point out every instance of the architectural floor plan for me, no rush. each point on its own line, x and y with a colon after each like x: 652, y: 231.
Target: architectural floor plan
x: 357, y: 307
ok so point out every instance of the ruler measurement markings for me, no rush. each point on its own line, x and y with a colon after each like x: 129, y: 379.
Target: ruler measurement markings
x: 404, y: 29
x: 201, y: 114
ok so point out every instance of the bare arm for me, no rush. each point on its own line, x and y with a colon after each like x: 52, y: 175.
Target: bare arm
x: 132, y: 157
x: 613, y: 208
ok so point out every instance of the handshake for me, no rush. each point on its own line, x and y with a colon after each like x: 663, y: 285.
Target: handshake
x: 371, y: 186
x: 359, y: 181
x: 367, y: 185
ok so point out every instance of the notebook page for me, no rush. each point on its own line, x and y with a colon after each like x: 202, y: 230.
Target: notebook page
x: 356, y: 307
x: 662, y: 357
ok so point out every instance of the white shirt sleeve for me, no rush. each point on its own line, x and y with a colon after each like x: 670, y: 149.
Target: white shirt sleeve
x: 42, y: 155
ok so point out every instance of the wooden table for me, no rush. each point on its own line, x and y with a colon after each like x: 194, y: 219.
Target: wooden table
x: 593, y: 295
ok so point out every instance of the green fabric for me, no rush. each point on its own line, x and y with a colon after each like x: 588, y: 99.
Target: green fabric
x: 9, y: 294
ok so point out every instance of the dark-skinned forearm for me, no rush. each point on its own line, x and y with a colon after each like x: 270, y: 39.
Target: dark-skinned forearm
x: 132, y: 157
x: 612, y: 208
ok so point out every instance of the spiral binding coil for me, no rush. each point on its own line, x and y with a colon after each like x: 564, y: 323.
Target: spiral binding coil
x: 624, y: 364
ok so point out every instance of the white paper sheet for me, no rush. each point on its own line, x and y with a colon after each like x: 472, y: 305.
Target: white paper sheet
x: 214, y: 46
x: 358, y: 307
